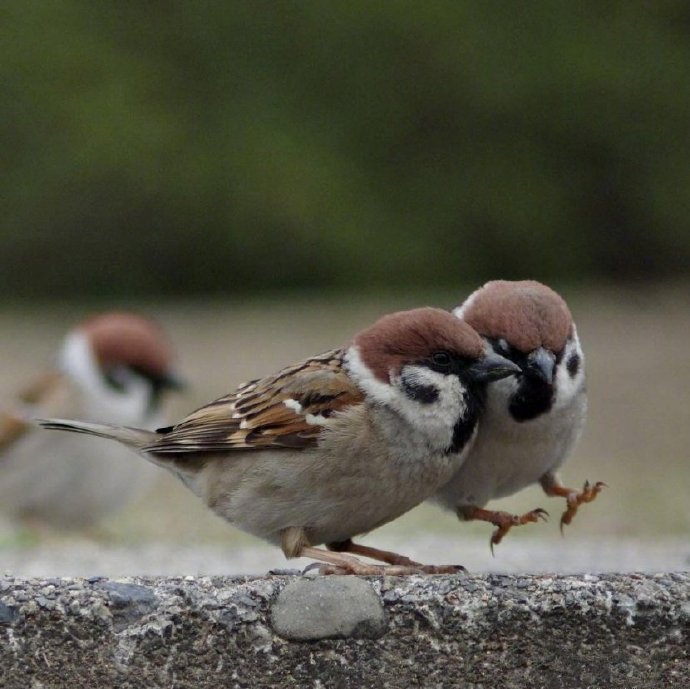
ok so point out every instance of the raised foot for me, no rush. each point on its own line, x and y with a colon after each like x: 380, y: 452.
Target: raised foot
x: 574, y: 499
x: 505, y: 522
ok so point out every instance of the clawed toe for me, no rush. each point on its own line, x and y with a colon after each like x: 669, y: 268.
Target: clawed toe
x: 442, y: 569
x: 390, y: 570
x: 505, y: 522
x: 337, y: 562
x: 588, y: 493
x: 315, y: 565
x: 361, y: 569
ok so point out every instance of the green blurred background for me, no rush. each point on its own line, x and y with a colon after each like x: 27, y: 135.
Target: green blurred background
x: 269, y: 177
x: 178, y: 148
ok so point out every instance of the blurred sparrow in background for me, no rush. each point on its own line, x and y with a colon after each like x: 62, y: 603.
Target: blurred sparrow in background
x: 115, y: 367
x: 337, y: 445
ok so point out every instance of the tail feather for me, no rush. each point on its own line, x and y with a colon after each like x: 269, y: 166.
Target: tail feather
x: 136, y: 438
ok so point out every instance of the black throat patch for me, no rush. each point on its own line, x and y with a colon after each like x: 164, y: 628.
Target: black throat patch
x: 532, y: 399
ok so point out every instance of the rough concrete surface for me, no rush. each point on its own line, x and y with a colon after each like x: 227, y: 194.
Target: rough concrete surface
x: 621, y: 631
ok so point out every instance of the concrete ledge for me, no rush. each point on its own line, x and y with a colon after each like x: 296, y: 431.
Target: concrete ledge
x: 462, y: 631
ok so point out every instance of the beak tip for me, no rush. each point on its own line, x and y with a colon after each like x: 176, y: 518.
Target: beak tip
x: 542, y: 365
x: 173, y: 381
x: 495, y: 367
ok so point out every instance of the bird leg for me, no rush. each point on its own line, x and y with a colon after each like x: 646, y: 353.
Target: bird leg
x: 339, y: 563
x: 554, y: 488
x: 397, y: 562
x: 374, y: 553
x: 295, y: 543
x: 503, y: 521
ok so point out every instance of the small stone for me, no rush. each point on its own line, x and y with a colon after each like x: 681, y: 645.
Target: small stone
x: 246, y: 600
x: 333, y: 607
x: 129, y: 602
x: 7, y: 614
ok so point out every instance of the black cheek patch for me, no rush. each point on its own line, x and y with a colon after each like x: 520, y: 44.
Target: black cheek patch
x: 419, y: 392
x: 464, y: 427
x: 573, y: 365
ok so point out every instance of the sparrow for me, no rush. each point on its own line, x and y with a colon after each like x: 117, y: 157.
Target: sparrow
x: 337, y: 445
x: 530, y: 422
x: 114, y: 366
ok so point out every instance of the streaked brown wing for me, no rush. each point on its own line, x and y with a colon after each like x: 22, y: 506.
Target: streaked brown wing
x: 16, y: 421
x: 287, y: 410
x: 12, y: 428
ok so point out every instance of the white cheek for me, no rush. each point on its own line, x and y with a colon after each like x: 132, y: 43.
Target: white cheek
x: 100, y: 401
x: 77, y: 361
x: 441, y: 414
x: 568, y: 386
x: 432, y: 423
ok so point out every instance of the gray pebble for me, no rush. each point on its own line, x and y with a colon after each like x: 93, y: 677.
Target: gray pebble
x: 129, y: 602
x: 7, y: 614
x: 328, y: 608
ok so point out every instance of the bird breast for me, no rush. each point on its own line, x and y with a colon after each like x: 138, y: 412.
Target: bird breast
x: 350, y: 483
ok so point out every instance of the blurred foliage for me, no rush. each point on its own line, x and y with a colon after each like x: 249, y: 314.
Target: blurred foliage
x: 187, y: 147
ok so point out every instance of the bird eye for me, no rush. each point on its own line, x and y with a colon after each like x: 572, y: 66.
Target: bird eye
x: 442, y: 359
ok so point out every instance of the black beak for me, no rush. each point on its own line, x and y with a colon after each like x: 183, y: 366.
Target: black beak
x: 171, y: 381
x: 541, y: 364
x: 492, y: 367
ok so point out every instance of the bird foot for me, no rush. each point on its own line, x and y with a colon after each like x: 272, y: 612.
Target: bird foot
x: 339, y: 562
x: 574, y: 499
x: 390, y: 558
x: 504, y: 521
x: 393, y: 570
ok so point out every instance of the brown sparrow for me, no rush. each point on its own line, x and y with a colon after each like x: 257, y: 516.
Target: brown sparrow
x: 337, y: 445
x: 114, y: 366
x: 530, y: 422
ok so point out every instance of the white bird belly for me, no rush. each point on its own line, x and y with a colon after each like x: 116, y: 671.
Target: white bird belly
x: 351, y: 484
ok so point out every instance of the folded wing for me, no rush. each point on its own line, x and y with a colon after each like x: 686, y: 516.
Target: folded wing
x: 287, y: 410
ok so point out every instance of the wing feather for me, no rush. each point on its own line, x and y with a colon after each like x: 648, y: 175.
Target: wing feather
x: 287, y: 410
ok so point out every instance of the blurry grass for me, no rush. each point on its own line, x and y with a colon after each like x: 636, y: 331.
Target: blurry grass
x: 637, y: 436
